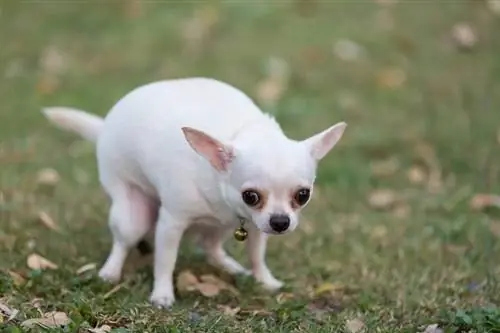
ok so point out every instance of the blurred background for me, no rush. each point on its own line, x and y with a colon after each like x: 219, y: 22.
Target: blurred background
x: 408, y: 188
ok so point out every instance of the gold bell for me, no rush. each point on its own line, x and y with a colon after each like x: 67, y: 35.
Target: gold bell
x: 240, y: 234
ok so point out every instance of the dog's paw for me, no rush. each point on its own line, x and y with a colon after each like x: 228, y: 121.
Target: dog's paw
x: 110, y: 276
x: 272, y: 284
x: 162, y: 301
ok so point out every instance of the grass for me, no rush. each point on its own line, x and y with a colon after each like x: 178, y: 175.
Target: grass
x: 430, y: 139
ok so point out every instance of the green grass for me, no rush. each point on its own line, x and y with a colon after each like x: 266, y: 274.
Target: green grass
x: 429, y: 259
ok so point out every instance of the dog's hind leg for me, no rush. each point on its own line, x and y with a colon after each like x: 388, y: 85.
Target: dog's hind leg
x: 131, y: 216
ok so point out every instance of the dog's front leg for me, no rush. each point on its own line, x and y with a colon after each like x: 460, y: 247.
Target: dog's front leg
x: 256, y: 250
x: 169, y: 231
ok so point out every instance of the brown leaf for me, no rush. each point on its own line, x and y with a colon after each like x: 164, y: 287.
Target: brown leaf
x: 186, y: 281
x: 48, y: 320
x: 208, y: 289
x: 416, y: 175
x: 48, y: 221
x: 53, y: 61
x: 47, y: 85
x: 482, y: 200
x: 382, y: 198
x: 391, y: 78
x: 36, y: 261
x: 222, y: 285
x: 48, y: 177
x: 86, y: 268
x: 114, y: 290
x: 354, y: 325
x: 17, y: 278
x: 229, y: 311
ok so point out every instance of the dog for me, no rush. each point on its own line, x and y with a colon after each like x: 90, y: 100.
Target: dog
x: 196, y: 153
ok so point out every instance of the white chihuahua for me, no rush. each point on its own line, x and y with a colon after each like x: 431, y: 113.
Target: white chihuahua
x: 196, y: 154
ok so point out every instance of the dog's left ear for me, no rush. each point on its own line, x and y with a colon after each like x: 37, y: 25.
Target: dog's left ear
x: 320, y: 144
x: 218, y: 154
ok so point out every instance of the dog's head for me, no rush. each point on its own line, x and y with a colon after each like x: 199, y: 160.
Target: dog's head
x: 268, y: 178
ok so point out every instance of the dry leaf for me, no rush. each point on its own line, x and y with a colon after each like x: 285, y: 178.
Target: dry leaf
x: 208, y: 289
x: 17, y: 278
x: 391, y: 78
x: 36, y: 261
x: 86, y: 268
x: 270, y: 91
x: 48, y: 320
x: 347, y: 50
x: 222, y: 285
x: 433, y: 329
x: 48, y: 221
x: 229, y: 311
x: 354, y: 325
x: 199, y: 28
x: 53, y: 61
x: 481, y: 201
x: 48, y: 177
x: 186, y: 281
x: 102, y: 329
x: 327, y: 287
x: 382, y: 199
x: 416, y: 175
x: 464, y: 36
x: 401, y: 211
x: 7, y: 312
x: 113, y: 290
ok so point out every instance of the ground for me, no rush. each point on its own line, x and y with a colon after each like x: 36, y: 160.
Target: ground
x: 396, y: 237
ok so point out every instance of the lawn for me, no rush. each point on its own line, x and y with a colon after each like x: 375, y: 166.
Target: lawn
x: 398, y: 236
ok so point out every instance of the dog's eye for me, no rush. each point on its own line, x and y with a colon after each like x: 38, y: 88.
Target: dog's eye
x: 302, y: 196
x: 250, y: 197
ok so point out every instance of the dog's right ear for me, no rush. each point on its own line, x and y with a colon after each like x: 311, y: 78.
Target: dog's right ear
x: 218, y: 154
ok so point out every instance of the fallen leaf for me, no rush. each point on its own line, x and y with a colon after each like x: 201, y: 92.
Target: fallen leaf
x: 347, y: 50
x: 482, y: 200
x: 382, y: 199
x: 464, y: 36
x: 48, y: 221
x: 433, y: 329
x: 48, y: 177
x: 208, y: 289
x: 8, y: 312
x: 186, y: 281
x: 102, y: 329
x: 222, y: 285
x: 48, y: 320
x: 229, y: 311
x: 401, y: 210
x: 86, y: 268
x: 283, y: 297
x: 17, y: 278
x: 354, y: 325
x: 36, y: 261
x: 391, y: 78
x: 416, y: 175
x: 327, y: 287
x: 197, y: 30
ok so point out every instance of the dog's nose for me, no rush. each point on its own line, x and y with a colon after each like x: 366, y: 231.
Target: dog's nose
x: 279, y: 223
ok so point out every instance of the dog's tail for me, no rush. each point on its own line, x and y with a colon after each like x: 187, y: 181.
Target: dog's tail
x: 85, y: 124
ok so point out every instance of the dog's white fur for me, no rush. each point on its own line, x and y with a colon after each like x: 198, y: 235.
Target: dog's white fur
x: 176, y: 155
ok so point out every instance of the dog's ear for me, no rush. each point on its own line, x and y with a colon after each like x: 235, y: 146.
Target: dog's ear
x: 320, y: 144
x: 218, y: 154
